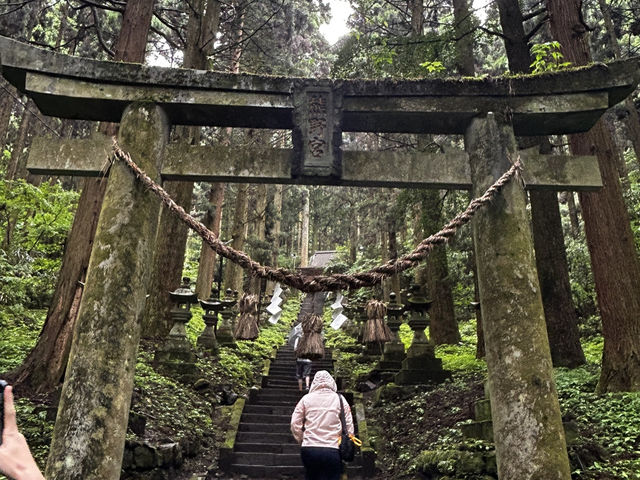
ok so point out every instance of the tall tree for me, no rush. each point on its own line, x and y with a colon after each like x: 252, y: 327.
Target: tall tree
x: 551, y: 258
x: 212, y: 220
x: 277, y: 224
x: 463, y: 29
x: 213, y: 215
x: 258, y: 234
x: 443, y: 328
x: 168, y: 257
x: 7, y: 102
x: 44, y: 366
x: 632, y: 118
x: 614, y: 259
x: 17, y: 165
x: 304, y: 237
x: 233, y: 272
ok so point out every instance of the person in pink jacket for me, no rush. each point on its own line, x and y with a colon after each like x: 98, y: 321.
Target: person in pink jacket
x: 316, y: 425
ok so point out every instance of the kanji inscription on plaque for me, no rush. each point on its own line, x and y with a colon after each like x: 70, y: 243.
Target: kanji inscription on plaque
x: 317, y: 133
x: 317, y: 124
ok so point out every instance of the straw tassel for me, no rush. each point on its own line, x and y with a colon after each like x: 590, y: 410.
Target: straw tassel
x: 375, y: 329
x: 310, y: 344
x: 247, y: 324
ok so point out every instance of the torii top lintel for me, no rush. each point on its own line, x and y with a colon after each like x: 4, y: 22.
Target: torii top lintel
x: 82, y: 88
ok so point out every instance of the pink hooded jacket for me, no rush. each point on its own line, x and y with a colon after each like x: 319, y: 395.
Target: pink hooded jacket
x: 319, y: 413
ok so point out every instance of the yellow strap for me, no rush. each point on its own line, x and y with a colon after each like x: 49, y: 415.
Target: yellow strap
x: 356, y: 440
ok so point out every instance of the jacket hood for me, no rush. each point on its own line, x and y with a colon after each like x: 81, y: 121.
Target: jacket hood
x: 323, y: 380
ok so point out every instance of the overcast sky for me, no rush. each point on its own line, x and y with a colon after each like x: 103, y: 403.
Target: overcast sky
x: 340, y: 11
x: 337, y: 27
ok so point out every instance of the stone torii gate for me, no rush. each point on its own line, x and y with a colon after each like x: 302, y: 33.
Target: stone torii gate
x: 90, y: 428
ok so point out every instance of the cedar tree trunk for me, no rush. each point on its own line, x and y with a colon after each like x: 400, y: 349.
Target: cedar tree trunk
x: 614, y: 259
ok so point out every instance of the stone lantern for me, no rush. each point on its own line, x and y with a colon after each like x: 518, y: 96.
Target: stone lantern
x: 212, y: 306
x: 393, y: 353
x: 224, y: 334
x: 176, y: 355
x: 421, y: 365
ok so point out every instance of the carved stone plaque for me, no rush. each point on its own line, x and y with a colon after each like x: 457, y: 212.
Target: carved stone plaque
x: 317, y: 132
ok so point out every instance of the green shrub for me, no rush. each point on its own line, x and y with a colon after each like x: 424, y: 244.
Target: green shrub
x: 460, y: 358
x: 36, y: 220
x: 20, y: 329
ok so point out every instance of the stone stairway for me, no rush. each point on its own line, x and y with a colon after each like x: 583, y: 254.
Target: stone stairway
x: 264, y: 447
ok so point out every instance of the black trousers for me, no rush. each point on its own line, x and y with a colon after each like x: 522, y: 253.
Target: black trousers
x: 321, y: 463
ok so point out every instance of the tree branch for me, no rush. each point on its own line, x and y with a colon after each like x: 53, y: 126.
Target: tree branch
x: 535, y: 13
x: 491, y: 32
x: 535, y: 29
x: 96, y: 24
x: 92, y: 5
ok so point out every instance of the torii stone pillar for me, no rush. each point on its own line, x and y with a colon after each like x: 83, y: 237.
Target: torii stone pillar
x: 527, y: 426
x: 89, y: 434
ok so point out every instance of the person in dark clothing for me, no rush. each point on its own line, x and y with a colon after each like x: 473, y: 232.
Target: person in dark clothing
x: 303, y: 373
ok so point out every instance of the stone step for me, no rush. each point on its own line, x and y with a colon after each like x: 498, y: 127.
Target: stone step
x: 292, y: 387
x: 265, y: 437
x: 276, y: 389
x: 290, y: 368
x: 292, y: 355
x: 291, y: 372
x: 292, y: 352
x: 265, y: 427
x: 270, y: 402
x: 274, y: 471
x: 266, y: 419
x: 285, y: 391
x: 268, y: 409
x: 281, y: 377
x: 273, y: 398
x: 282, y: 384
x: 278, y: 459
x: 291, y: 362
x: 292, y: 448
x: 268, y: 471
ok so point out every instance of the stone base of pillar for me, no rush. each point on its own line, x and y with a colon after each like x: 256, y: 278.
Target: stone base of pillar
x: 418, y: 370
x: 479, y: 429
x: 175, y: 357
x: 209, y: 343
x: 225, y: 338
x: 392, y: 358
x: 389, y: 366
x: 373, y: 349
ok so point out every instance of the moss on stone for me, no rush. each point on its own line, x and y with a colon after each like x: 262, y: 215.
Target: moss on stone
x: 455, y: 463
x: 524, y: 405
x: 90, y: 429
x: 234, y: 422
